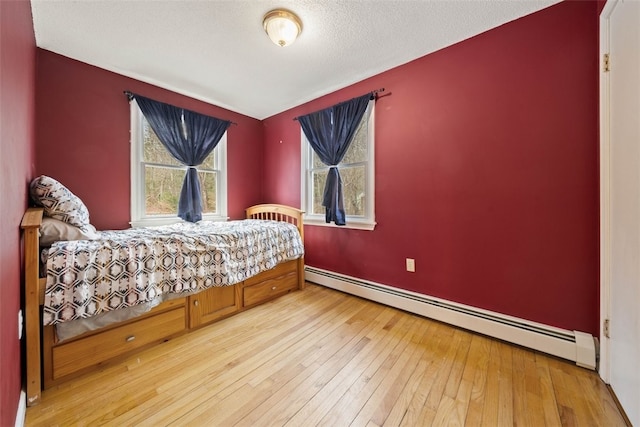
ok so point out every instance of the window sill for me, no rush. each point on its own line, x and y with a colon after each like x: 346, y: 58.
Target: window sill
x: 354, y: 225
x: 166, y: 220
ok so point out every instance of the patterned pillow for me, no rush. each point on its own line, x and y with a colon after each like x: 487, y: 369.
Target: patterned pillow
x: 58, y: 201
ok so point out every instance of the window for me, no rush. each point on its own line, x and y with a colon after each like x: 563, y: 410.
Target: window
x: 357, y: 173
x: 156, y: 178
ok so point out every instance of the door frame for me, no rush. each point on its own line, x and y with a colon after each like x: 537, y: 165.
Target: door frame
x: 604, y: 368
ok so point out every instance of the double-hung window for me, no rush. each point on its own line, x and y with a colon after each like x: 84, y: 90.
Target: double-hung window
x: 357, y: 173
x: 156, y: 178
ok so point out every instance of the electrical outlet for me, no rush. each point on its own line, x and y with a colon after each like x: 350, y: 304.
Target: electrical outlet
x: 411, y: 265
x: 20, y: 324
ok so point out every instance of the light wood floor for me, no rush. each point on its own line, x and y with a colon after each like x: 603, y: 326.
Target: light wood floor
x: 320, y: 357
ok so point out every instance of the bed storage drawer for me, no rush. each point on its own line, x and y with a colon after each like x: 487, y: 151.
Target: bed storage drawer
x: 74, y: 356
x: 270, y: 288
x: 277, y: 271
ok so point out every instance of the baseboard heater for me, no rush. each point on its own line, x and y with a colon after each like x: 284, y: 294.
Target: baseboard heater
x: 579, y: 347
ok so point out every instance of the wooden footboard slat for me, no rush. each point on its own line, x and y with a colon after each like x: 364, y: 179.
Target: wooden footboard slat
x: 41, y: 288
x: 286, y: 214
x: 31, y: 224
x: 278, y: 213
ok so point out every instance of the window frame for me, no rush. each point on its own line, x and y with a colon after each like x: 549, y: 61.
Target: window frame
x: 366, y: 222
x: 138, y: 214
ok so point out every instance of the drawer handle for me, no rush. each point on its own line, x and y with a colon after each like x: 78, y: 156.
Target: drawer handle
x: 130, y: 338
x: 273, y: 288
x: 195, y: 303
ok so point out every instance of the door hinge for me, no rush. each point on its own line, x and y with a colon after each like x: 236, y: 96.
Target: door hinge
x: 605, y: 63
x: 605, y: 328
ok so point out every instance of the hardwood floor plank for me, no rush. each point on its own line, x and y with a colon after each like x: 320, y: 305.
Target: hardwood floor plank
x: 230, y: 368
x: 359, y: 384
x: 490, y: 410
x: 587, y: 410
x: 458, y: 365
x: 418, y: 413
x: 533, y: 398
x: 463, y: 397
x: 386, y: 394
x: 519, y: 387
x: 174, y: 360
x: 447, y: 352
x: 551, y: 407
x: 320, y: 379
x: 321, y: 357
x: 479, y: 363
x: 366, y: 335
x: 462, y: 400
x: 399, y: 409
x: 505, y: 384
x: 447, y: 413
x: 605, y: 407
x: 449, y: 409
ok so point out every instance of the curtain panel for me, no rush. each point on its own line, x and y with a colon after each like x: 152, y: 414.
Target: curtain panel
x: 330, y: 132
x: 189, y: 137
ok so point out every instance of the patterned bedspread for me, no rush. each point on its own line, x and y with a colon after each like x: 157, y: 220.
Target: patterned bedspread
x: 128, y: 267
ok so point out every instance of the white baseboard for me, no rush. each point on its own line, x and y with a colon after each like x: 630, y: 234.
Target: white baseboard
x: 575, y: 346
x: 22, y: 409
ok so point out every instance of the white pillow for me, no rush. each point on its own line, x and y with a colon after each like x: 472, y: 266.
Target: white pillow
x: 53, y: 230
x: 58, y: 201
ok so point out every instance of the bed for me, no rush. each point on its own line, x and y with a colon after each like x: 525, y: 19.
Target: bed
x: 52, y: 360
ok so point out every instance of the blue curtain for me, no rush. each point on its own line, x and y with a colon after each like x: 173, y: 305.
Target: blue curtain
x: 190, y: 137
x: 329, y: 133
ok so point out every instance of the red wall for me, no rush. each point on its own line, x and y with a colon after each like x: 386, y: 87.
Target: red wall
x: 17, y: 117
x: 486, y: 167
x: 83, y: 138
x: 486, y: 172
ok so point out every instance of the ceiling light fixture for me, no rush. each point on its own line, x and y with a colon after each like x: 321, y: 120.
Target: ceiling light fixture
x: 282, y: 26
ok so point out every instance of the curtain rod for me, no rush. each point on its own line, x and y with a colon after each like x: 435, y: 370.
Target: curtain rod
x: 373, y: 92
x: 130, y: 96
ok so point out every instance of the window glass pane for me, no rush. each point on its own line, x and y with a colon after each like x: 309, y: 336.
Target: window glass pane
x: 163, y: 186
x: 162, y: 190
x: 353, y: 190
x: 319, y: 178
x: 208, y: 187
x: 317, y: 163
x: 357, y: 151
x: 209, y: 162
x: 153, y: 150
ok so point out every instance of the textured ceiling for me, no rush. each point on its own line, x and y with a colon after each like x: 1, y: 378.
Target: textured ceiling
x: 217, y: 51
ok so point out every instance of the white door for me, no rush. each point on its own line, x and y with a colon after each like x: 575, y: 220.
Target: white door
x: 620, y: 180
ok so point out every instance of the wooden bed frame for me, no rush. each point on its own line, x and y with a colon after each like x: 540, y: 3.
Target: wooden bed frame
x: 54, y: 362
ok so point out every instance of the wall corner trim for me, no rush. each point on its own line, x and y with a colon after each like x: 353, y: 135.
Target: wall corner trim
x: 22, y: 409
